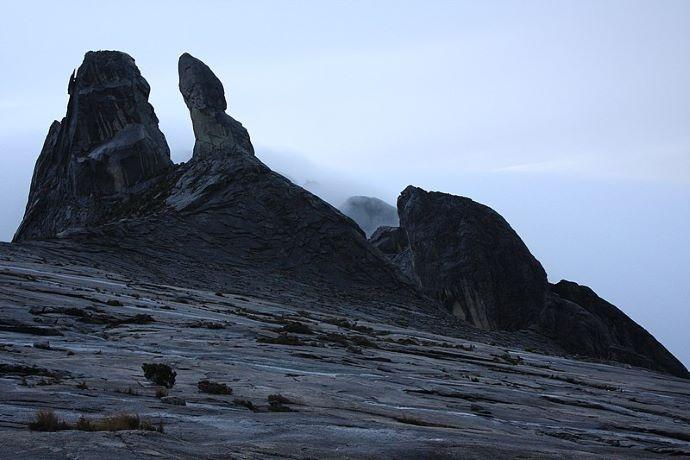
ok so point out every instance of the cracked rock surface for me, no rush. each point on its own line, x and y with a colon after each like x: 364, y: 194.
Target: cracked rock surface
x: 106, y: 148
x: 355, y: 387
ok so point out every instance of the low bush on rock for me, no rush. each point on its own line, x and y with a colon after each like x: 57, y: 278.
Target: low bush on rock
x: 160, y: 374
x: 46, y: 420
x: 214, y: 388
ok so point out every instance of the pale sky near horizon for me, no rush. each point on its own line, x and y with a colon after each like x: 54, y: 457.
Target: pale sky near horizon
x: 570, y: 118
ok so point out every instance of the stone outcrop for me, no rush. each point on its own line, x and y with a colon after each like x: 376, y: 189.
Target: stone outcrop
x: 106, y: 148
x: 106, y: 195
x: 468, y: 257
x: 217, y: 133
x: 370, y: 213
x: 392, y: 241
x: 583, y: 323
x: 219, y: 218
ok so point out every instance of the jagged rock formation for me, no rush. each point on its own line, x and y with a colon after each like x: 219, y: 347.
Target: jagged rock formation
x: 106, y: 194
x: 104, y: 184
x: 584, y: 323
x: 370, y: 213
x: 467, y: 256
x: 106, y: 148
x: 216, y: 132
x: 351, y: 390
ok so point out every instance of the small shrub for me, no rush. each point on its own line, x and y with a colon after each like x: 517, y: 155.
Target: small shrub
x: 114, y: 303
x: 42, y: 345
x: 407, y: 341
x: 277, y: 403
x: 362, y: 341
x: 140, y: 318
x: 508, y: 358
x: 214, y: 388
x: 82, y: 386
x: 354, y: 349
x: 278, y: 399
x: 160, y: 374
x: 161, y: 392
x: 207, y: 325
x: 120, y: 422
x: 296, y: 328
x: 245, y: 403
x: 46, y: 420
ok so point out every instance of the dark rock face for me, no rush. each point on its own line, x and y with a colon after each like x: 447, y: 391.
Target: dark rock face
x: 217, y: 134
x: 466, y: 255
x: 370, y: 213
x: 598, y: 328
x: 221, y: 217
x: 104, y: 190
x: 107, y: 147
x: 392, y: 241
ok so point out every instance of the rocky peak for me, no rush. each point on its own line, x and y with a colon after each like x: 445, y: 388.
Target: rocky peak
x: 466, y: 255
x: 370, y: 213
x: 217, y: 134
x: 106, y: 147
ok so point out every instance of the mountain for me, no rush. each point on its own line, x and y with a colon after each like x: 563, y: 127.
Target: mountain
x: 105, y: 150
x: 214, y: 309
x: 468, y: 257
x: 370, y: 213
x: 104, y: 181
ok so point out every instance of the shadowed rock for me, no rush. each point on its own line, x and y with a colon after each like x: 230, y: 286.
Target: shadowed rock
x: 106, y: 148
x: 466, y: 255
x: 216, y: 133
x: 585, y: 324
x: 223, y: 219
x: 392, y: 241
x: 370, y: 213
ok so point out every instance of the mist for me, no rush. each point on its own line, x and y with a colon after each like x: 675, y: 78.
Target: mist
x: 570, y: 119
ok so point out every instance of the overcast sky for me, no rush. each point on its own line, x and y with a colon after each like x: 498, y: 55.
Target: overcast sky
x: 570, y: 118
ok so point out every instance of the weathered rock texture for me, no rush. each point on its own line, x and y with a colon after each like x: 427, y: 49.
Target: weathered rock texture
x: 106, y: 195
x: 584, y: 323
x: 467, y: 256
x: 217, y: 133
x: 370, y: 213
x: 392, y: 241
x: 104, y: 183
x: 355, y: 389
x: 105, y: 149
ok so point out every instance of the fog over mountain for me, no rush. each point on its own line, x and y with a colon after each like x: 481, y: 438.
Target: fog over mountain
x: 570, y: 120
